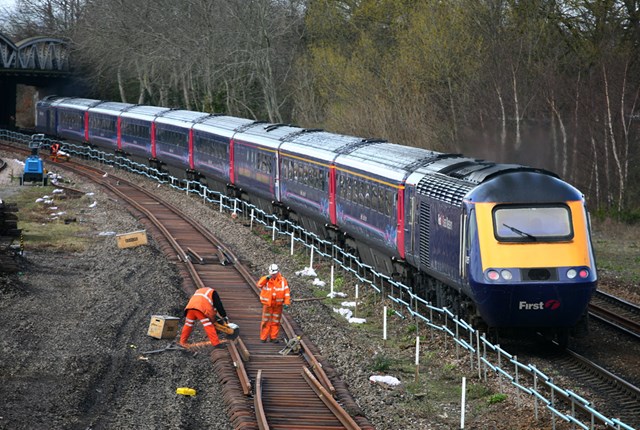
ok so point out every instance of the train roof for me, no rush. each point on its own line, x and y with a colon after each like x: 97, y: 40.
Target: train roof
x: 223, y: 125
x: 76, y: 103
x: 49, y: 100
x: 266, y: 134
x: 180, y: 118
x: 147, y: 113
x: 385, y: 159
x: 524, y: 185
x: 319, y: 144
x: 111, y: 107
x: 458, y: 178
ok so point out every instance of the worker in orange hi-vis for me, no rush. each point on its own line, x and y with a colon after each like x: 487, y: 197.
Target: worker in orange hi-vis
x: 274, y: 296
x: 55, y: 147
x: 203, y: 306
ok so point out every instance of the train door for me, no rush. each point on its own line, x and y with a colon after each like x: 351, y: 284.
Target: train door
x: 276, y: 181
x: 468, y: 229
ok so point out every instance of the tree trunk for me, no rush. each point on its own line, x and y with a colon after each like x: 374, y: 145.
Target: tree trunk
x: 614, y: 145
x: 123, y: 96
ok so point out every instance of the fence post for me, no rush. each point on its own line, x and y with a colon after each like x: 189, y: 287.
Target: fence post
x: 462, y: 408
x: 384, y: 324
x: 478, y: 354
x: 417, y: 358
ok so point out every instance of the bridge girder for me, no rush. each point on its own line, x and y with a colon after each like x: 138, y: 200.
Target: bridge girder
x: 36, y: 53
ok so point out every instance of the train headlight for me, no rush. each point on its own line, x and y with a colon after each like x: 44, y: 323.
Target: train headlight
x: 584, y: 273
x: 571, y: 273
x: 506, y: 275
x: 493, y: 275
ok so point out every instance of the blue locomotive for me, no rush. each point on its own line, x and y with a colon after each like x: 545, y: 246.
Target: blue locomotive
x: 503, y: 245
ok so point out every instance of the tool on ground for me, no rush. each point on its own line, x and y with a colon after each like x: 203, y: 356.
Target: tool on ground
x: 170, y: 347
x: 186, y: 391
x: 230, y: 329
x: 293, y: 345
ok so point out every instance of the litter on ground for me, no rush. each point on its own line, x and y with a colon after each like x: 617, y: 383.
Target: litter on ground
x: 389, y: 380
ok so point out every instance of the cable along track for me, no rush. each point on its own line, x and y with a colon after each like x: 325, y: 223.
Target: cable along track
x: 288, y: 391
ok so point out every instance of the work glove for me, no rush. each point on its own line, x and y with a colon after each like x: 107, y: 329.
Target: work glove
x: 226, y: 320
x: 268, y: 277
x: 286, y: 307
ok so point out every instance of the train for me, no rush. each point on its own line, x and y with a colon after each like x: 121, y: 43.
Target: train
x: 505, y: 246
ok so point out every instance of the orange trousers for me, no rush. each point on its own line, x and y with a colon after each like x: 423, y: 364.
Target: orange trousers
x: 190, y: 319
x: 270, y: 326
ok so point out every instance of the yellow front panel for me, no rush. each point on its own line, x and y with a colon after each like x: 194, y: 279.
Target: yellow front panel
x: 533, y: 254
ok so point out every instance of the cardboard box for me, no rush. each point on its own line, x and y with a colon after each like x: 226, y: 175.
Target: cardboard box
x: 163, y: 327
x: 129, y: 240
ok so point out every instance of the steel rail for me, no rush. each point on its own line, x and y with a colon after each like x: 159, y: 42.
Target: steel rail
x: 240, y: 369
x: 328, y: 400
x: 258, y: 403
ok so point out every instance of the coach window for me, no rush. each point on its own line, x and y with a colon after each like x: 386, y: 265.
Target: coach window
x: 347, y: 188
x: 375, y: 199
x: 390, y: 196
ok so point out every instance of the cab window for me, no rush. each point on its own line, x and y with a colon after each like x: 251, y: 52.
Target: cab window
x: 532, y: 223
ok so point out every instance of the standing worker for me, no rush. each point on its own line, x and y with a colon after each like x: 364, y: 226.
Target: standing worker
x: 274, y: 295
x: 203, y: 306
x: 55, y: 147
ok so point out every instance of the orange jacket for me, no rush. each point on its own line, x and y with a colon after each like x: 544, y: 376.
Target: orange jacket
x: 274, y: 291
x: 203, y: 301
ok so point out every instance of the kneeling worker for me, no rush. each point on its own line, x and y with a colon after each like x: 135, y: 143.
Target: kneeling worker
x: 203, y: 306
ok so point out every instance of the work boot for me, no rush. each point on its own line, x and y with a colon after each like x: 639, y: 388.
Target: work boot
x: 275, y: 340
x: 263, y: 340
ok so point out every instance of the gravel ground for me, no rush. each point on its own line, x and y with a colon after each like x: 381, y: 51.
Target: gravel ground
x: 75, y: 325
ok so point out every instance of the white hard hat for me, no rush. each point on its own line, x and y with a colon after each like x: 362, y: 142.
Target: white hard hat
x: 273, y: 269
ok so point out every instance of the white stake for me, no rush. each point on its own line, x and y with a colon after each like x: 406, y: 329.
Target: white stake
x: 311, y: 259
x: 273, y: 233
x: 417, y: 357
x: 332, y: 280
x: 292, y: 240
x: 384, y: 324
x: 464, y: 383
x: 251, y: 223
x: 355, y: 309
x: 220, y: 203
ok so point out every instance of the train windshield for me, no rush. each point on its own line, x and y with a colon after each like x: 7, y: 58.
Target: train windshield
x: 532, y: 223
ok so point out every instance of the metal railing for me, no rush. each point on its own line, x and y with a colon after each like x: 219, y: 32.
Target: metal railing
x: 484, y: 356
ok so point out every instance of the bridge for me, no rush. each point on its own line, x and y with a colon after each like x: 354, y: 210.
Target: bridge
x: 39, y: 65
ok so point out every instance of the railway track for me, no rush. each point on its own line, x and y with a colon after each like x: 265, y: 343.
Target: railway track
x: 623, y: 398
x: 264, y: 388
x: 615, y: 312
